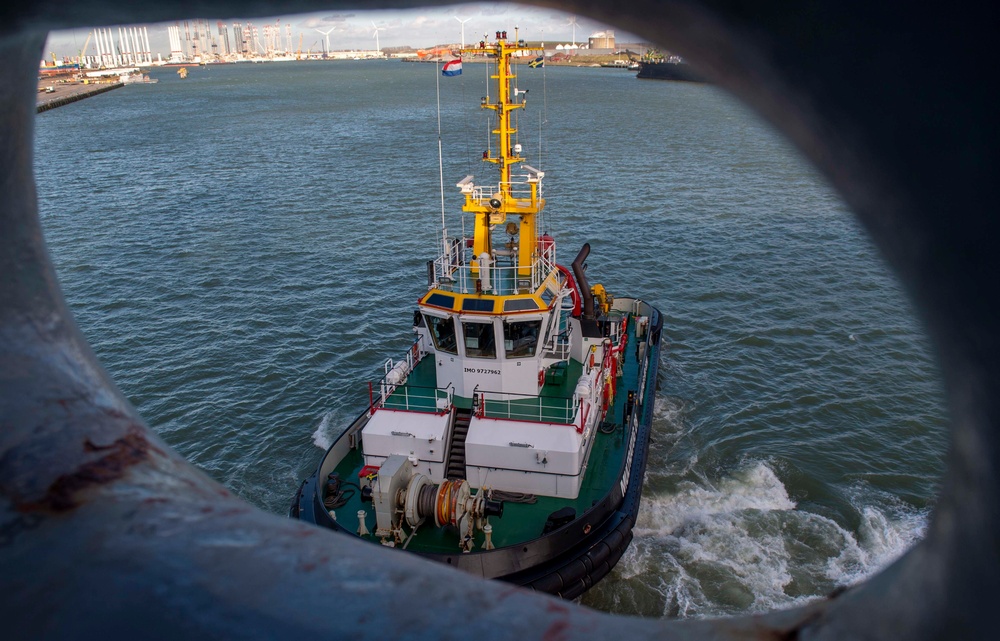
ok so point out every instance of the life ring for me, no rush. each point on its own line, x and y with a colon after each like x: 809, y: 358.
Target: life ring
x: 541, y: 377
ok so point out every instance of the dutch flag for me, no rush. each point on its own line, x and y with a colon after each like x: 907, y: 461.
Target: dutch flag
x: 452, y: 68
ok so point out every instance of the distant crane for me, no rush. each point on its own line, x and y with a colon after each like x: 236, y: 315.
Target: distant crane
x: 298, y: 54
x: 83, y: 53
x: 327, y: 34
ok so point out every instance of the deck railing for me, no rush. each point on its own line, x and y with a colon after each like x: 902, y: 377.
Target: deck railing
x: 518, y: 188
x: 411, y: 398
x: 525, y: 407
x: 454, y: 270
x: 558, y: 345
x: 395, y: 394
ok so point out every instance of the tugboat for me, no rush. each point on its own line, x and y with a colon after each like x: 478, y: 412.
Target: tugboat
x: 510, y: 440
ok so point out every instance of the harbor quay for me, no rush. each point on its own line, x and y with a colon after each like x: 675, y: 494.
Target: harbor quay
x: 54, y: 93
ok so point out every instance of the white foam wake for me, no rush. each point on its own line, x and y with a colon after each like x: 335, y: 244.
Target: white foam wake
x: 884, y: 535
x: 753, y: 488
x: 322, y: 437
x: 740, y: 545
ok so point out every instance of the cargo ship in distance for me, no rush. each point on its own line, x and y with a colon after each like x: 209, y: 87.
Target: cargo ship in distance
x: 510, y: 440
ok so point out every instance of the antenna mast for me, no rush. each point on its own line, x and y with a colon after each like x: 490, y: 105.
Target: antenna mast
x: 521, y: 198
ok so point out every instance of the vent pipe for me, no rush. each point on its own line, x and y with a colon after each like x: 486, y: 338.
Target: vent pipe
x: 581, y: 281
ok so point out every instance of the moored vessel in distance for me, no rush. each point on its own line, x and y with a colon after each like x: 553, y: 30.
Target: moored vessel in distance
x: 669, y: 68
x: 510, y: 440
x: 138, y: 79
x: 621, y: 64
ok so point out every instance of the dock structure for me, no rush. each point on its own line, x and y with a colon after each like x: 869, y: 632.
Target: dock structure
x: 64, y: 93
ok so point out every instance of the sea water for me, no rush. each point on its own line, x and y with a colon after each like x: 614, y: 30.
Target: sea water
x: 244, y: 249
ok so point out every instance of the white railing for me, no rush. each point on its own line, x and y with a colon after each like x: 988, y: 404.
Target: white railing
x: 558, y: 345
x: 519, y: 187
x: 395, y: 394
x: 454, y: 270
x: 507, y: 406
x: 409, y: 398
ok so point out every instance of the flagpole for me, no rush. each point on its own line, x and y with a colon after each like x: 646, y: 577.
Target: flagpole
x: 444, y: 230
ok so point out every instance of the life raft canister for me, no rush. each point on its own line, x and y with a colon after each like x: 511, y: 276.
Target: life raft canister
x: 545, y: 243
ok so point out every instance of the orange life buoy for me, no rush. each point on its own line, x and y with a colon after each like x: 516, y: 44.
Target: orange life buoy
x: 609, y: 395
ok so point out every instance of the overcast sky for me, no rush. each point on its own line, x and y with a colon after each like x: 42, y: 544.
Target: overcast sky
x: 354, y: 30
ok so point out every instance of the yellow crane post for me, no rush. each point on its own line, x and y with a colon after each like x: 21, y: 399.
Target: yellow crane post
x: 83, y: 52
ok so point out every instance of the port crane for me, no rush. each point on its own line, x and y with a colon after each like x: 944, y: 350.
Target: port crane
x: 83, y: 52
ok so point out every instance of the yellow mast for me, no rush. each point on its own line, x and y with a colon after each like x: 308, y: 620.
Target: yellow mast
x: 491, y: 208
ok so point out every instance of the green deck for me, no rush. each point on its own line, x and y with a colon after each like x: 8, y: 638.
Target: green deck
x: 520, y: 522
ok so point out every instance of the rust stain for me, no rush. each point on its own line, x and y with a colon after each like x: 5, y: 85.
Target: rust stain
x: 554, y: 606
x: 311, y: 565
x: 509, y: 592
x: 117, y: 458
x: 557, y: 631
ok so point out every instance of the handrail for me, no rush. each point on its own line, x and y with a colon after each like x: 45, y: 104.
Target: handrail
x: 394, y: 380
x: 513, y: 187
x: 520, y: 407
x: 453, y: 270
x: 412, y: 398
x: 558, y: 345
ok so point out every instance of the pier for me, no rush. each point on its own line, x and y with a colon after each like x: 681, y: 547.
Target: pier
x: 54, y: 93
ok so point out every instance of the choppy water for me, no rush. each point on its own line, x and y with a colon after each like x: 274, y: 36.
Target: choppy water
x: 244, y: 248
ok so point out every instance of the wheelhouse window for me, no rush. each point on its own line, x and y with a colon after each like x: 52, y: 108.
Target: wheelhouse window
x: 443, y: 333
x: 520, y: 339
x: 480, y: 341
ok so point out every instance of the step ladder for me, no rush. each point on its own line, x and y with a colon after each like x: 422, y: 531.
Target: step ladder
x: 456, y: 457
